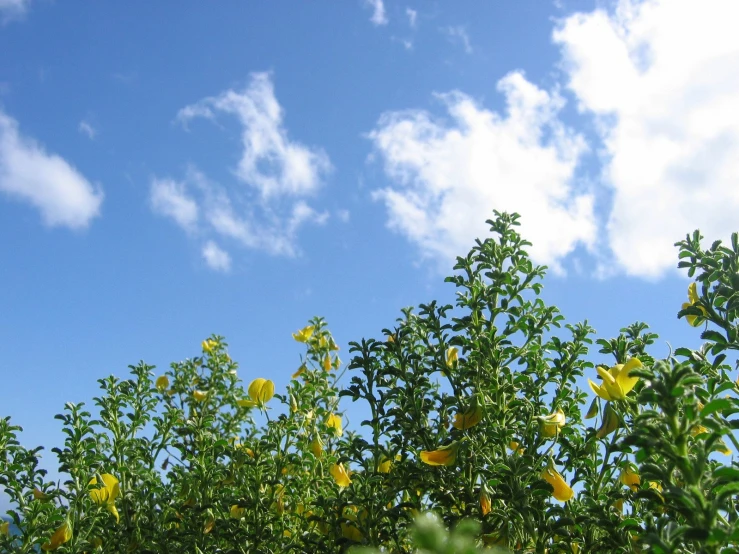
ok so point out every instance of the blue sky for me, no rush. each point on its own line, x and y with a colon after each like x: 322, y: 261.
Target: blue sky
x: 170, y: 170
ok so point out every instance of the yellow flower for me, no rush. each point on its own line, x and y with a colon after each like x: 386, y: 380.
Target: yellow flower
x: 302, y: 369
x: 162, y: 383
x: 444, y: 456
x: 5, y: 528
x: 610, y: 422
x: 208, y: 345
x: 237, y: 512
x: 552, y: 423
x: 61, y: 535
x: 630, y: 478
x: 516, y: 447
x: 334, y: 421
x: 261, y: 391
x: 617, y: 381
x: 200, y: 395
x: 386, y: 464
x: 694, y: 320
x: 304, y: 334
x: 469, y: 418
x: 340, y: 475
x: 349, y: 531
x: 209, y: 524
x: 452, y: 356
x: 485, y: 504
x: 619, y: 505
x: 105, y: 496
x: 562, y: 491
x: 317, y: 447
x: 327, y: 362
x: 40, y: 495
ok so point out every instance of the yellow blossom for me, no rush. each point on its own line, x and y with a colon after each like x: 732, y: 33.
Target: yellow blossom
x: 5, y: 528
x: 340, y: 475
x: 40, y: 495
x: 316, y: 446
x: 162, y: 383
x: 610, y: 422
x: 349, y: 531
x: 209, y: 524
x: 327, y: 362
x: 562, y: 491
x: 105, y: 496
x: 261, y: 391
x: 61, y: 535
x: 619, y: 505
x: 552, y: 423
x: 617, y: 381
x: 694, y: 320
x: 630, y: 478
x: 200, y: 395
x: 485, y: 504
x: 237, y: 512
x: 302, y: 369
x: 452, y: 356
x: 334, y: 421
x: 208, y: 345
x: 469, y: 418
x: 386, y: 464
x: 444, y: 456
x: 304, y: 334
x: 516, y: 447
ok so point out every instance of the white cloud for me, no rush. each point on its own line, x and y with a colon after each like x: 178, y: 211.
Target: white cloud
x: 343, y: 216
x: 412, y: 17
x: 87, y: 129
x: 13, y: 9
x: 170, y: 198
x: 458, y: 34
x: 47, y: 181
x: 448, y: 176
x: 216, y: 258
x: 662, y: 79
x: 379, y: 17
x: 270, y: 162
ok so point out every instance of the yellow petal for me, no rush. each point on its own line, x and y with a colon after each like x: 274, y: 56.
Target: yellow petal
x: 237, y: 512
x: 340, y: 475
x: 5, y: 528
x: 334, y: 421
x: 317, y: 447
x: 516, y: 447
x: 600, y: 391
x: 485, y: 504
x: 327, y: 362
x: 261, y: 391
x: 200, y: 395
x: 630, y: 478
x: 111, y: 484
x: 40, y: 495
x: 162, y: 383
x: 444, y: 456
x: 452, y: 356
x: 552, y: 423
x: 349, y: 531
x: 302, y: 369
x: 469, y: 418
x: 625, y: 380
x: 304, y: 334
x: 113, y: 510
x: 693, y: 293
x: 244, y: 403
x: 61, y: 535
x: 562, y: 490
x: 208, y: 345
x: 386, y: 464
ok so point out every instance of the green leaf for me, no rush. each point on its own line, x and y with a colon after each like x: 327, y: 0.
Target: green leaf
x: 716, y: 405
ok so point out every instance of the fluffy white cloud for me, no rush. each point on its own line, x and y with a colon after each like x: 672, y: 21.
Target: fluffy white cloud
x: 216, y: 258
x: 448, y: 176
x: 13, y: 9
x: 662, y: 79
x: 87, y: 129
x: 412, y: 16
x: 48, y: 182
x: 170, y: 198
x: 379, y: 17
x: 270, y: 162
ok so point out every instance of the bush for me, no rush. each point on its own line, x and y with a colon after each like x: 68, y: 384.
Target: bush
x: 475, y: 416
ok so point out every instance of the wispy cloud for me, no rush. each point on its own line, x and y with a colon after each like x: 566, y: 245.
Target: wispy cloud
x: 448, y: 176
x: 216, y: 258
x: 270, y: 162
x: 86, y: 128
x: 458, y: 35
x: 170, y: 198
x: 266, y: 205
x: 13, y: 9
x: 412, y: 17
x: 666, y: 111
x: 28, y: 173
x: 379, y: 17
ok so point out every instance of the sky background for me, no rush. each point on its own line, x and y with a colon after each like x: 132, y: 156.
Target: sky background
x: 170, y: 170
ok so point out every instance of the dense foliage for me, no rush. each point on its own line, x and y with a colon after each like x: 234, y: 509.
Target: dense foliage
x: 475, y: 412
